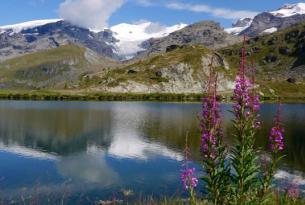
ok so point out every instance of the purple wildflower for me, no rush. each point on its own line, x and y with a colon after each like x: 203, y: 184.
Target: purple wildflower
x: 188, y: 179
x: 276, y: 137
x: 210, y: 125
x: 241, y: 95
x: 247, y: 102
x: 210, y: 120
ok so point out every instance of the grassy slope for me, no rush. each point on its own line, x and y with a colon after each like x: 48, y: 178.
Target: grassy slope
x: 272, y: 76
x: 36, y: 62
x: 144, y: 70
x: 47, y: 56
x: 62, y: 65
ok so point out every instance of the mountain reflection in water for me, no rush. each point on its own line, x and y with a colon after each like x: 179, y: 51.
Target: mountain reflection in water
x: 98, y: 148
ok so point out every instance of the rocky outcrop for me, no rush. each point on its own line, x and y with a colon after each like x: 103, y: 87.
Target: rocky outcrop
x: 178, y: 78
x: 206, y: 33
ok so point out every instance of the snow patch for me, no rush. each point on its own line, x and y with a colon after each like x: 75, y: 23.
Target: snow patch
x: 238, y: 30
x: 131, y: 36
x: 235, y: 30
x: 270, y: 30
x: 290, y: 10
x: 29, y: 24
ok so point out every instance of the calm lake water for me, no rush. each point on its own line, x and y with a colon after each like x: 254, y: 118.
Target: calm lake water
x: 82, y: 152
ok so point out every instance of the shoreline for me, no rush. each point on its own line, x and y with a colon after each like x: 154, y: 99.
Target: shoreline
x: 39, y: 95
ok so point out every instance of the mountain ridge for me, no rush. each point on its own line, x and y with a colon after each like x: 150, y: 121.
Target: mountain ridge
x: 111, y: 42
x: 125, y: 41
x: 270, y: 21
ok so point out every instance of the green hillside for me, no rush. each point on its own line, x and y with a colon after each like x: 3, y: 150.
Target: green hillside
x: 147, y: 70
x: 279, y: 59
x: 49, y: 69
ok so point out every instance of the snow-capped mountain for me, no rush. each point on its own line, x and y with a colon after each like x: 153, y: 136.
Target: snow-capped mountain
x: 124, y: 41
x: 289, y: 10
x: 33, y: 36
x: 269, y: 22
x: 131, y: 36
x: 28, y: 25
x: 121, y: 41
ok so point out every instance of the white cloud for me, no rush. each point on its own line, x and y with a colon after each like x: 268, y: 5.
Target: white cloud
x: 145, y: 2
x: 216, y: 12
x: 93, y: 14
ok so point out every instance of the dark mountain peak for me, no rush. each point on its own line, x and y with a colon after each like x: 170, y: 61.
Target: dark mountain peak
x: 265, y: 22
x: 206, y: 24
x: 207, y: 33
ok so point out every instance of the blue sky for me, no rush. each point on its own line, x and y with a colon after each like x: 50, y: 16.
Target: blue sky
x: 164, y: 11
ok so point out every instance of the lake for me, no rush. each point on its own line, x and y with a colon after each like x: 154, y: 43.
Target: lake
x: 82, y: 152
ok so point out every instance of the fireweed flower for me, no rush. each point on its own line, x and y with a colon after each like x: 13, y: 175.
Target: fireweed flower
x: 245, y: 109
x: 213, y: 151
x: 247, y: 102
x: 276, y: 137
x: 210, y: 126
x: 276, y: 144
x: 188, y: 179
x: 210, y: 123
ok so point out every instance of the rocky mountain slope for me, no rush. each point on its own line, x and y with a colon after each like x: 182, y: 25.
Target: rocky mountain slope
x: 279, y: 59
x: 29, y: 37
x: 269, y: 22
x: 119, y: 42
x: 206, y: 33
x: 183, y: 70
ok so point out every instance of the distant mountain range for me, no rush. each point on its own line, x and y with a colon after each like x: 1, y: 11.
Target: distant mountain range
x: 119, y: 42
x: 124, y: 41
x: 29, y: 37
x: 147, y: 57
x: 269, y: 22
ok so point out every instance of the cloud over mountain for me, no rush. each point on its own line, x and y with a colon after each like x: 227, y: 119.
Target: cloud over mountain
x: 217, y: 12
x: 92, y: 14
